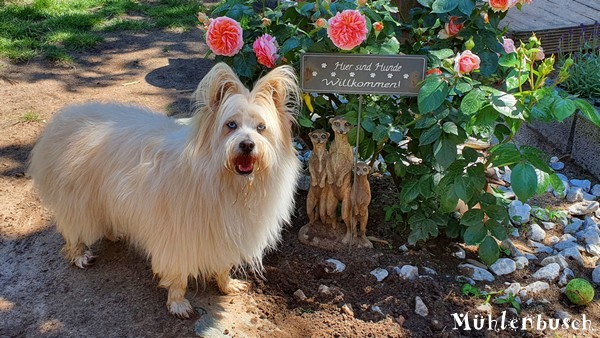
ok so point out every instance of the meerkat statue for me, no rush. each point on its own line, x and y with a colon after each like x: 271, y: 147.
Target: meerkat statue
x: 339, y: 176
x: 317, y: 169
x: 361, y: 198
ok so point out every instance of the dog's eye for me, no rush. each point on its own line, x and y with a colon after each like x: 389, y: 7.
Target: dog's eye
x: 261, y: 127
x: 231, y: 125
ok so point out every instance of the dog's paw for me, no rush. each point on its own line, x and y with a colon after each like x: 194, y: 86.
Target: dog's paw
x: 182, y: 309
x: 235, y: 286
x: 363, y: 242
x: 84, y: 260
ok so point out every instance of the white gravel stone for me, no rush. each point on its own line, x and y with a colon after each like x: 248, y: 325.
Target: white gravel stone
x: 584, y: 208
x: 595, y: 190
x: 583, y: 184
x: 503, y: 266
x: 485, y: 308
x: 521, y: 262
x: 553, y: 239
x: 592, y: 249
x: 536, y: 232
x: 539, y: 247
x: 589, y: 197
x: 335, y: 266
x: 380, y: 274
x: 548, y: 225
x: 573, y: 253
x: 596, y: 275
x: 560, y: 260
x: 513, y: 289
x: 519, y: 212
x: 420, y: 307
x: 403, y: 248
x: 562, y: 316
x: 573, y: 226
x: 534, y: 287
x: 555, y: 164
x: 549, y: 272
x: 531, y: 256
x: 565, y: 276
x: 299, y: 294
x: 407, y: 272
x: 590, y: 236
x: 574, y: 194
x: 460, y: 253
x: 476, y: 273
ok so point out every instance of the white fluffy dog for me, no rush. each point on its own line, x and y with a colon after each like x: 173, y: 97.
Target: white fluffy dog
x: 200, y: 199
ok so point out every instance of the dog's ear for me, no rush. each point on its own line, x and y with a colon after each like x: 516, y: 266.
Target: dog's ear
x: 280, y: 86
x: 216, y: 86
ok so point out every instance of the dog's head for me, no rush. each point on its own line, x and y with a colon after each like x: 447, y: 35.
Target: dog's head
x: 246, y: 131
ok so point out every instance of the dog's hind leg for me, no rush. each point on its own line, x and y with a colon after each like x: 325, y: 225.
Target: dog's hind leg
x: 79, y: 234
x: 177, y: 304
x: 230, y: 286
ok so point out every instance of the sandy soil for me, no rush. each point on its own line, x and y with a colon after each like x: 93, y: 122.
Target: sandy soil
x: 42, y: 296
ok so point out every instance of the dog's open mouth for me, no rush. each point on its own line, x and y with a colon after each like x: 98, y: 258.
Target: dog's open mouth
x: 244, y: 164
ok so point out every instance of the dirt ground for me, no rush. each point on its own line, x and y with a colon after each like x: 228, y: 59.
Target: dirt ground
x: 42, y: 296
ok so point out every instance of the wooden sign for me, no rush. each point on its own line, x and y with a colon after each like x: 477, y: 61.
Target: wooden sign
x: 363, y: 74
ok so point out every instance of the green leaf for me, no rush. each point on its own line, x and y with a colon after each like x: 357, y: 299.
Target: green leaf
x: 505, y: 154
x: 557, y: 184
x: 444, y: 151
x: 563, y: 108
x: 513, y: 80
x: 366, y: 148
x: 443, y: 6
x: 489, y: 251
x: 448, y: 198
x: 305, y: 122
x: 289, y: 44
x: 489, y: 63
x: 505, y: 105
x: 442, y: 53
x: 509, y: 60
x: 588, y: 111
x: 537, y: 158
x: 432, y: 94
x: 380, y: 133
x: 499, y: 231
x: 453, y: 228
x: 450, y: 128
x: 475, y: 234
x: 421, y: 228
x: 425, y: 122
x: 430, y: 135
x: 470, y: 154
x: 473, y: 101
x: 464, y: 188
x: 396, y: 135
x: 496, y: 213
x: 523, y: 181
x: 426, y: 186
x: 473, y: 217
x: 466, y: 6
x: 410, y: 191
x: 426, y: 3
x: 543, y: 182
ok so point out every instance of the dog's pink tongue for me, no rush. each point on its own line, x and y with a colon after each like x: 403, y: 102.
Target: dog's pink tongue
x: 245, y: 164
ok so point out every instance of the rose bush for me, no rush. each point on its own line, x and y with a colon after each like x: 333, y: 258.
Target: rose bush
x: 479, y: 89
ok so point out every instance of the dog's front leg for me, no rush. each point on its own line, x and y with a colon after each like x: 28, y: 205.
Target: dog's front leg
x: 231, y: 286
x: 177, y: 304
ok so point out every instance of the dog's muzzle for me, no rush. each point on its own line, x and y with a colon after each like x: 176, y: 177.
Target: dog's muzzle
x: 244, y: 163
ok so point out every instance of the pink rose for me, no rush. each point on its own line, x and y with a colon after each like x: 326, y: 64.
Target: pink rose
x: 509, y: 45
x: 466, y: 62
x: 347, y: 29
x: 224, y: 36
x: 502, y: 5
x: 539, y: 56
x: 265, y: 48
x: 451, y: 28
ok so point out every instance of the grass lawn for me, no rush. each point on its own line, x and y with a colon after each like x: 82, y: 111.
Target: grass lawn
x: 52, y: 28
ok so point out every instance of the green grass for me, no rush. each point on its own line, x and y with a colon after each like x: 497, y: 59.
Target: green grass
x: 30, y: 116
x: 53, y: 28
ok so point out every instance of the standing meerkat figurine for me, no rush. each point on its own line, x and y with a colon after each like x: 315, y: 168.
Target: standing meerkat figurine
x: 339, y: 176
x: 317, y: 168
x: 361, y: 198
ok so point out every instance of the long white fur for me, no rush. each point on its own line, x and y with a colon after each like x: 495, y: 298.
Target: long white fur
x: 122, y: 171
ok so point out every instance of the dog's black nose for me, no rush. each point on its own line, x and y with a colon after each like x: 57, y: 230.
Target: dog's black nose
x: 246, y: 146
